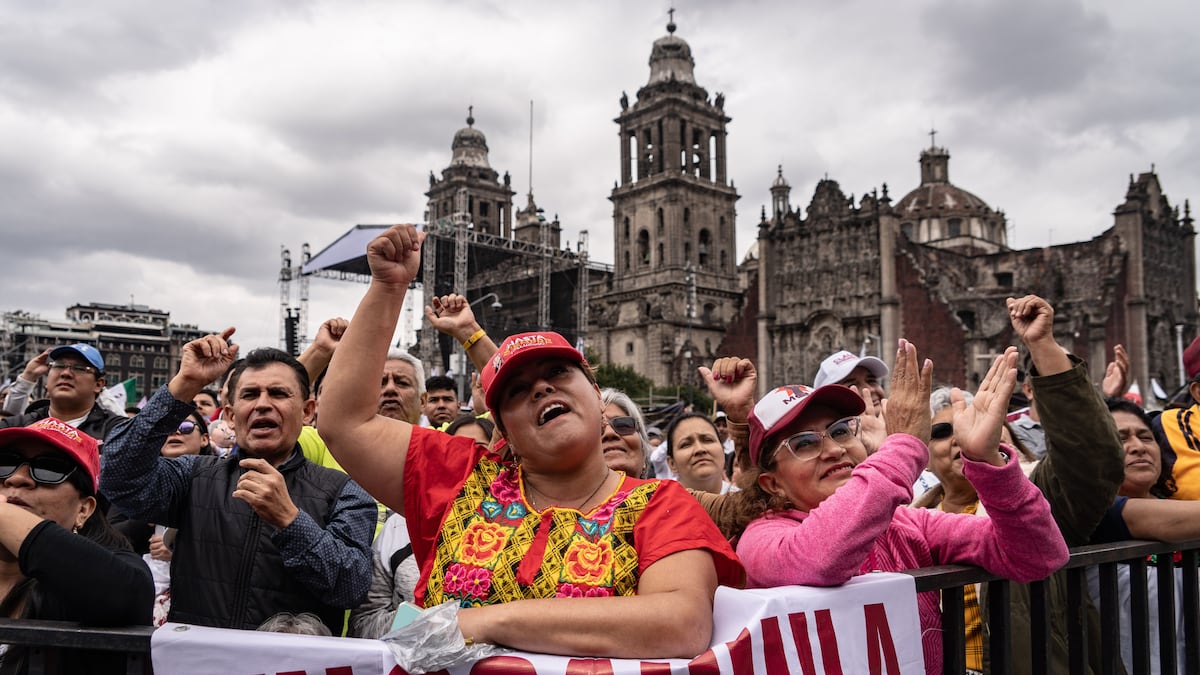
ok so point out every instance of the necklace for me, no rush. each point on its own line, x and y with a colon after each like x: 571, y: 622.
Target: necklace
x: 587, y: 499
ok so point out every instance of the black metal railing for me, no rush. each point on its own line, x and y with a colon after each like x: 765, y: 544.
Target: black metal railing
x: 134, y: 642
x: 950, y: 579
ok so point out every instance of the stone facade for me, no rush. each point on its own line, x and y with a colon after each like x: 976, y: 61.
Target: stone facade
x: 936, y: 269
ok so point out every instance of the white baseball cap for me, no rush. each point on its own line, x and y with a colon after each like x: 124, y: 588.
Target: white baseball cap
x: 838, y: 367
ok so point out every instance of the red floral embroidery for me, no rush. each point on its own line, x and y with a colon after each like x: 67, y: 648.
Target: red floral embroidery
x: 505, y: 488
x: 587, y: 562
x: 575, y: 591
x: 455, y: 576
x: 605, y: 512
x: 482, y: 541
x: 477, y: 583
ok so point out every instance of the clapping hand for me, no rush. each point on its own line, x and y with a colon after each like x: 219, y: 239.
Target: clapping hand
x: 907, y: 408
x: 977, y: 425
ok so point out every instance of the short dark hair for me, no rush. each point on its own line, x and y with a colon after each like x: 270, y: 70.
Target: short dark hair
x: 211, y: 393
x: 670, y: 433
x: 264, y: 356
x: 439, y: 383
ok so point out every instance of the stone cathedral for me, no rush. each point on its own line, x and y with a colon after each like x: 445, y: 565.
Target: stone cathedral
x: 933, y: 266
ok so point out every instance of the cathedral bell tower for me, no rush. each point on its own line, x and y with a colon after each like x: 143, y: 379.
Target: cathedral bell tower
x: 675, y: 287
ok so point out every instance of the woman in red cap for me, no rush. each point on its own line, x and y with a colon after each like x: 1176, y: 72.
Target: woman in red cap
x: 529, y: 543
x: 59, y: 558
x: 825, y: 516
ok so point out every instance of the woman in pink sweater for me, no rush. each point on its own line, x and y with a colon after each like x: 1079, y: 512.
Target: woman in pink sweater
x: 825, y: 517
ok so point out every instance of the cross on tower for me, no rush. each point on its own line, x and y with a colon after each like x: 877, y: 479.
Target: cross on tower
x: 932, y: 138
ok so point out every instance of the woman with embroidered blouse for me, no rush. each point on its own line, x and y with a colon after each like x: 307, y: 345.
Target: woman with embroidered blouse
x: 529, y: 539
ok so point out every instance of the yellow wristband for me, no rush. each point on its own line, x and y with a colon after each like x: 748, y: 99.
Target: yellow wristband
x: 475, y: 337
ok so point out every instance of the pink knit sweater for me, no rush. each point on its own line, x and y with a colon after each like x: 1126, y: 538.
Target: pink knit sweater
x: 865, y: 526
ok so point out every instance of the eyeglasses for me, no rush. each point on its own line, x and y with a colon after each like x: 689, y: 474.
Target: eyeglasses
x: 806, y: 445
x: 941, y: 431
x: 623, y: 425
x: 44, y: 469
x: 79, y: 368
x: 186, y: 428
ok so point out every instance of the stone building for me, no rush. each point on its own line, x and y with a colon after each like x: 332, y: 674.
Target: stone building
x: 674, y: 290
x: 935, y: 268
x: 136, y: 341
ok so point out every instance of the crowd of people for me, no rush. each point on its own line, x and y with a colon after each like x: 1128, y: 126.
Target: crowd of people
x: 263, y: 491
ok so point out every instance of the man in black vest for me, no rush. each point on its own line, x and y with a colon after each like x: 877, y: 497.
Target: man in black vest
x: 262, y: 532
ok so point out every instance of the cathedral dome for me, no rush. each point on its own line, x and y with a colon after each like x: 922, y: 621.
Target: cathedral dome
x: 945, y: 215
x: 470, y: 146
x: 671, y: 59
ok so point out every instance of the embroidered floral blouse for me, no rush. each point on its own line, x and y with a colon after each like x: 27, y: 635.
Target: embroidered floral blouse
x: 480, y: 542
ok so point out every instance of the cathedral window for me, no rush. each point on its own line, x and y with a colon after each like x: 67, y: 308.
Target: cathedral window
x: 633, y: 157
x: 707, y: 315
x: 626, y: 228
x: 908, y: 231
x: 724, y: 261
x: 628, y: 347
x: 955, y: 225
x: 483, y: 209
x: 687, y: 251
x: 661, y: 222
x: 1004, y: 279
x: 626, y: 268
x: 644, y: 247
x: 662, y: 258
x: 705, y: 247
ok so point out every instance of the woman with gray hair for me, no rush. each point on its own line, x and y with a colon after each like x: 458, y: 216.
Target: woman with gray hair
x: 625, y: 442
x: 955, y: 494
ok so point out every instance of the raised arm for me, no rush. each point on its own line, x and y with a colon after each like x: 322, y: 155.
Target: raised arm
x: 134, y: 475
x: 1085, y: 462
x: 371, y: 448
x: 316, y: 357
x: 732, y: 382
x: 452, y: 315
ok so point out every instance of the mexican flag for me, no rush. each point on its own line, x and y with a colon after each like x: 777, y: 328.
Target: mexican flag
x: 121, y: 394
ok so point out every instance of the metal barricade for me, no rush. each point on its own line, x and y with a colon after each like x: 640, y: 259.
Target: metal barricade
x: 134, y: 642
x: 950, y: 579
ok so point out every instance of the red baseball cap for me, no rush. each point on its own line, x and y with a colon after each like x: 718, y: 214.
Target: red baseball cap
x: 517, y: 350
x: 775, y: 411
x: 1191, y: 359
x: 76, y: 444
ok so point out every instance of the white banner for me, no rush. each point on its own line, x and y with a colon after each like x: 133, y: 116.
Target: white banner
x: 869, y: 625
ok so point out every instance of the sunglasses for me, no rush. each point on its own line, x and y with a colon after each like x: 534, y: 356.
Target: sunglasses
x: 78, y: 368
x: 44, y: 469
x: 806, y: 445
x: 623, y: 425
x: 186, y: 428
x: 941, y: 431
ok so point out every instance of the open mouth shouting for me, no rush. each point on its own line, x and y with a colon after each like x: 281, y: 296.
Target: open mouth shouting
x: 551, y: 412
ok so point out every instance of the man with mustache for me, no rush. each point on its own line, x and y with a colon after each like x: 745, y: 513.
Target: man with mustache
x: 262, y: 532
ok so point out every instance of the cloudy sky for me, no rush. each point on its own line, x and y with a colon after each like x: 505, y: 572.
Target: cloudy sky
x: 164, y: 152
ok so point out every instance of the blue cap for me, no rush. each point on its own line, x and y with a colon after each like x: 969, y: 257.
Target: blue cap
x: 88, y: 352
